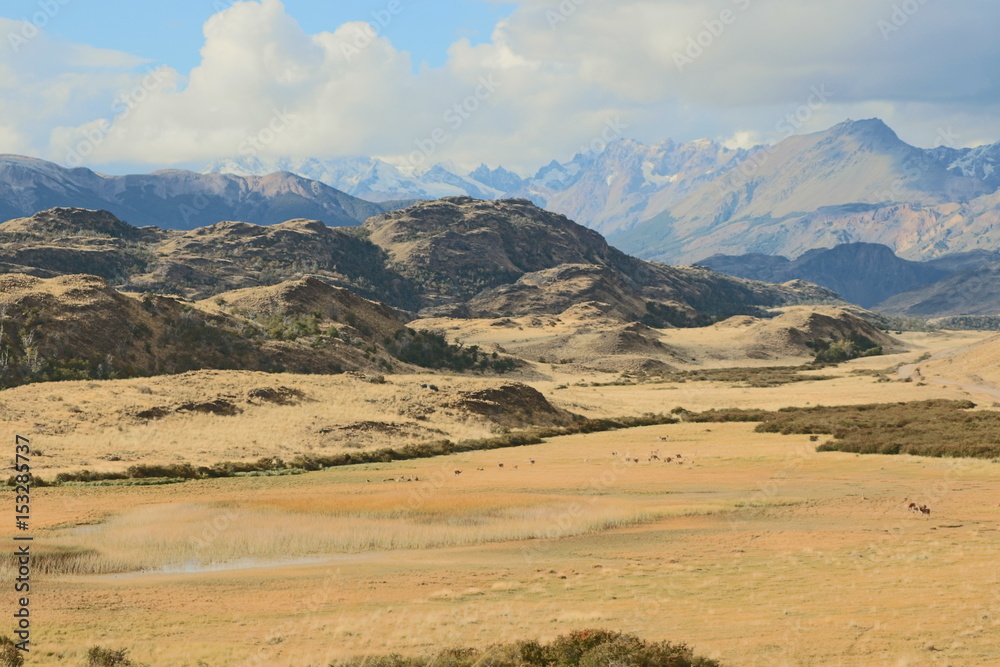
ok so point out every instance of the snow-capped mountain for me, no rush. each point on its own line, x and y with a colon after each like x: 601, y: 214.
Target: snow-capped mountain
x: 608, y: 191
x: 856, y: 182
x: 982, y: 162
x: 629, y: 182
x: 367, y: 177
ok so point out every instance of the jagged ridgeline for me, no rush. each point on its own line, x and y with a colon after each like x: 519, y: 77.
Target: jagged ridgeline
x: 447, y: 253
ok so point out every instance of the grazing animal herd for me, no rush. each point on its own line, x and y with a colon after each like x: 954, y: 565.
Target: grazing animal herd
x: 654, y: 455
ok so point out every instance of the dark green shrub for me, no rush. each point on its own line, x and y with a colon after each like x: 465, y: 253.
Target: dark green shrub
x: 567, y: 650
x: 106, y: 657
x: 582, y: 648
x: 10, y: 655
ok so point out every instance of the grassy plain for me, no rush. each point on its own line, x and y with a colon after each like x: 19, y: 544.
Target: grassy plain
x: 756, y: 550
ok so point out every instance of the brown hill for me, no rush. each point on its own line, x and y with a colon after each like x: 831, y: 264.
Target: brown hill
x: 312, y: 299
x: 72, y: 222
x: 428, y: 255
x: 233, y: 255
x: 78, y: 327
x: 456, y: 247
x: 552, y: 291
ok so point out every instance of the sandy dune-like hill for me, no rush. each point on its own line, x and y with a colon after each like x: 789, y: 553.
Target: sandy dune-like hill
x: 977, y: 365
x: 794, y: 332
x: 584, y: 336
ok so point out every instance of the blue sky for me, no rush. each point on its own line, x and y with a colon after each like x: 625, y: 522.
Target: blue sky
x: 170, y: 31
x: 119, y: 86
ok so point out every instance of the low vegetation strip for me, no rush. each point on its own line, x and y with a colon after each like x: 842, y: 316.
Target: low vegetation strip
x: 301, y: 463
x: 768, y: 376
x: 924, y: 428
x: 753, y: 376
x: 583, y: 648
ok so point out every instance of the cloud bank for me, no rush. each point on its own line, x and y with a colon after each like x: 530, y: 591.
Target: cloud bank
x: 551, y: 79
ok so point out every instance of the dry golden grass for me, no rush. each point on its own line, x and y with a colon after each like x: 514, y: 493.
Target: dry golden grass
x: 757, y: 550
x: 764, y: 552
x: 276, y: 533
x: 88, y: 424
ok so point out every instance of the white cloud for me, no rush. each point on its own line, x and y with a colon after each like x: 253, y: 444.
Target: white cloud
x: 559, y: 72
x: 743, y: 139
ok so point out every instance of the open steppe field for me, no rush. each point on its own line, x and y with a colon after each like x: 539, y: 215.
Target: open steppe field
x: 756, y: 549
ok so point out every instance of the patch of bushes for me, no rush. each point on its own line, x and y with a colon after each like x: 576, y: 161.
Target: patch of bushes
x: 835, y: 352
x: 583, y: 648
x: 723, y: 415
x: 432, y: 350
x: 282, y: 327
x: 770, y: 376
x: 924, y: 428
x: 10, y: 655
x: 106, y: 657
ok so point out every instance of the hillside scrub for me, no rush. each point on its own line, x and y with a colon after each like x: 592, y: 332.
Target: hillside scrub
x: 923, y: 428
x: 836, y: 351
x: 583, y: 648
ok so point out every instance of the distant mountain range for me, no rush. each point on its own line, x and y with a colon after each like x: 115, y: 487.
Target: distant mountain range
x: 857, y: 182
x: 176, y: 199
x: 872, y: 276
x: 672, y: 202
x: 677, y: 203
x: 608, y: 191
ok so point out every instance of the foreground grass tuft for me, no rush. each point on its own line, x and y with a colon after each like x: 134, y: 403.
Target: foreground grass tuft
x: 583, y: 648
